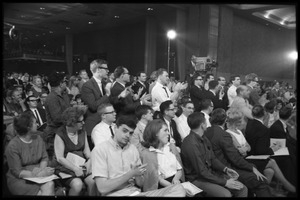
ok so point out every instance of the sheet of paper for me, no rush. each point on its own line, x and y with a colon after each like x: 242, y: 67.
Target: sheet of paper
x: 282, y: 152
x: 41, y: 180
x: 190, y: 188
x: 76, y: 160
x: 64, y: 175
x: 259, y: 157
x: 281, y: 141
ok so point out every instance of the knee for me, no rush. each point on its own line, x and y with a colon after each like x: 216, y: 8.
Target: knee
x: 226, y: 193
x: 272, y: 162
x: 76, y: 184
x: 180, y: 189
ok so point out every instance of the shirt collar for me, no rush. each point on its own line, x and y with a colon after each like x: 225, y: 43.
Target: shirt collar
x: 165, y: 148
x: 283, y: 123
x: 121, y: 84
x: 197, y: 136
x: 117, y: 146
x: 160, y: 84
x: 141, y: 83
x: 97, y: 80
x: 259, y: 120
x: 213, y: 92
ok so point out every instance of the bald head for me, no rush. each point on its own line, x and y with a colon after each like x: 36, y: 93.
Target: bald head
x: 243, y: 91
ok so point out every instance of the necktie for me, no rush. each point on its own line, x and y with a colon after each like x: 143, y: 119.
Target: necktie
x: 100, y: 87
x: 111, y: 131
x: 37, y: 117
x: 166, y: 91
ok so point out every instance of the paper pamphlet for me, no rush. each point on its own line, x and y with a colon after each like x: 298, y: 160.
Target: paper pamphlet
x: 282, y: 152
x: 42, y: 179
x: 259, y: 157
x: 281, y: 141
x: 76, y: 160
x: 64, y: 175
x: 191, y: 189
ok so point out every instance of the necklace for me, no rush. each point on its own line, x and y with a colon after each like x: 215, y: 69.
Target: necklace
x: 25, y: 140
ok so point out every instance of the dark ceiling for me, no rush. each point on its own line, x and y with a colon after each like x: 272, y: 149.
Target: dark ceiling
x: 37, y: 21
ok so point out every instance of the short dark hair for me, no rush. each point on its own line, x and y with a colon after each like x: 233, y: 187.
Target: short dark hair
x: 139, y: 73
x: 22, y: 122
x: 218, y: 116
x: 164, y: 106
x: 232, y: 77
x: 208, y: 75
x: 195, y: 76
x: 119, y: 71
x: 127, y: 120
x: 258, y: 111
x: 142, y: 110
x: 195, y: 120
x: 96, y: 63
x: 213, y: 84
x: 102, y: 107
x: 150, y: 133
x: 205, y: 103
x: 285, y: 112
x: 55, y: 79
x: 160, y: 71
x: 269, y: 106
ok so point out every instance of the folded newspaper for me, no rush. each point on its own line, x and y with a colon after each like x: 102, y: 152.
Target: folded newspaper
x: 191, y: 189
x: 41, y: 180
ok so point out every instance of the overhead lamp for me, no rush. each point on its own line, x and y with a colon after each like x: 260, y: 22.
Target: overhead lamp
x: 117, y: 16
x: 41, y: 8
x: 68, y: 28
x: 149, y: 9
x: 171, y: 34
x: 293, y: 55
x: 50, y: 31
x: 91, y: 22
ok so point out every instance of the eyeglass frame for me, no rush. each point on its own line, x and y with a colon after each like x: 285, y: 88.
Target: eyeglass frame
x: 109, y: 112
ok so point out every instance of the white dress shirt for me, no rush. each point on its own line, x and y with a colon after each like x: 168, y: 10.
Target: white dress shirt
x: 182, y: 126
x: 159, y: 95
x: 167, y: 162
x: 206, y: 116
x: 101, y: 132
x: 37, y: 117
x: 239, y: 137
x: 231, y: 93
x: 99, y: 84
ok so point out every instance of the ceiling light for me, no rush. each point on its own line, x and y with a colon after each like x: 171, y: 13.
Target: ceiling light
x: 37, y: 35
x: 50, y: 31
x: 68, y: 28
x: 41, y: 8
x: 149, y: 8
x: 267, y: 15
x: 44, y: 45
x: 44, y: 33
x: 117, y: 16
x: 282, y: 22
x: 91, y: 22
x: 293, y: 55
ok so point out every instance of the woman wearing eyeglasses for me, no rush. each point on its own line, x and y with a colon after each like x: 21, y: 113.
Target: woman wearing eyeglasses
x: 71, y: 138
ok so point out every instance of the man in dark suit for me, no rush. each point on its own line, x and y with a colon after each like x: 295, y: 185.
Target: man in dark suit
x: 223, y: 88
x: 93, y: 94
x: 167, y: 111
x: 197, y: 92
x: 141, y: 83
x: 39, y: 113
x: 213, y: 95
x: 122, y: 97
x: 14, y: 81
x: 252, y: 81
x: 225, y: 151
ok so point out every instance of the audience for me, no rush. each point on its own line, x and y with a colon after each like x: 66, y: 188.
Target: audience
x: 197, y: 91
x: 117, y: 168
x: 207, y: 107
x: 201, y: 166
x: 214, y: 95
x: 141, y: 83
x: 83, y: 78
x: 72, y: 139
x: 231, y: 93
x: 181, y: 121
x: 39, y: 114
x: 208, y: 77
x: 27, y: 157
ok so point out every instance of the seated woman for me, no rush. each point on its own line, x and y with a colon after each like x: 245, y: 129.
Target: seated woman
x: 71, y: 138
x: 162, y: 158
x: 27, y: 157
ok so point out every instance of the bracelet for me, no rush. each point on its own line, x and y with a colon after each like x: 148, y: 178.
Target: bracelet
x: 225, y: 169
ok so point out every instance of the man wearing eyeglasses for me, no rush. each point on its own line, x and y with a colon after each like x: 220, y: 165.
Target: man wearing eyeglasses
x: 93, y: 94
x: 122, y: 96
x: 40, y: 114
x: 197, y: 91
x: 251, y: 81
x: 105, y: 129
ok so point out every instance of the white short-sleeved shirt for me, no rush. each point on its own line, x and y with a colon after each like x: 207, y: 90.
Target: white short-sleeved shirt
x: 110, y: 161
x: 206, y: 116
x: 159, y: 95
x: 182, y: 126
x: 167, y: 162
x: 231, y: 93
x: 101, y: 133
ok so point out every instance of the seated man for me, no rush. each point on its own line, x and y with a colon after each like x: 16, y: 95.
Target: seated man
x: 202, y: 168
x: 226, y: 152
x: 116, y: 165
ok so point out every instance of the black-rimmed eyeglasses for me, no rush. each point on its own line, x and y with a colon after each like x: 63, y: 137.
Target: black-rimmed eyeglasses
x: 110, y: 112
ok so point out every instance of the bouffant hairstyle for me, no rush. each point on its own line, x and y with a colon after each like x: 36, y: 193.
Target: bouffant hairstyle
x: 23, y: 122
x: 71, y: 115
x: 234, y: 115
x: 151, y: 131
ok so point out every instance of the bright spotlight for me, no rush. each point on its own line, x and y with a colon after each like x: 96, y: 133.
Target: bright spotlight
x: 171, y: 34
x: 293, y: 55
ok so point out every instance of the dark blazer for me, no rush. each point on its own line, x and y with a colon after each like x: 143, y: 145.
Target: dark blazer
x: 135, y: 87
x: 225, y: 98
x: 12, y: 82
x: 214, y: 98
x: 197, y: 95
x: 42, y: 113
x: 123, y: 105
x: 253, y: 97
x: 277, y: 131
x: 258, y: 137
x: 176, y: 134
x: 224, y: 149
x: 91, y: 96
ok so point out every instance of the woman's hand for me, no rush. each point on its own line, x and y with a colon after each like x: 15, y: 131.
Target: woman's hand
x: 47, y: 171
x: 175, y: 181
x: 79, y: 172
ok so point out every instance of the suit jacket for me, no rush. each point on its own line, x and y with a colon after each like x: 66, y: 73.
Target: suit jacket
x: 123, y: 105
x: 224, y: 149
x: 135, y: 87
x: 176, y: 134
x: 277, y: 131
x: 214, y: 98
x: 42, y: 113
x: 11, y: 83
x: 253, y: 97
x: 225, y: 98
x: 91, y: 96
x: 197, y: 95
x: 258, y: 137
